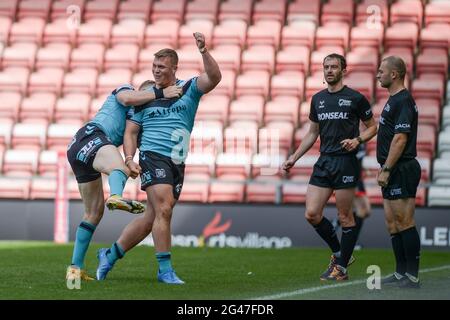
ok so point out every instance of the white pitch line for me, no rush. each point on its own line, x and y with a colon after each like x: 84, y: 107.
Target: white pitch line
x: 338, y: 285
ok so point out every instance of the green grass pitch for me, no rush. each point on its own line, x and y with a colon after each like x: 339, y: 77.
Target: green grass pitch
x: 36, y: 270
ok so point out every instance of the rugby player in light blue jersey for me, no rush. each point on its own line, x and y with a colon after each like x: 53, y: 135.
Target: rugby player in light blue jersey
x: 93, y: 151
x: 166, y: 125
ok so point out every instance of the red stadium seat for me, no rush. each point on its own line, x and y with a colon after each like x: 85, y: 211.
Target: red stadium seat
x: 294, y: 192
x: 185, y: 36
x: 200, y: 163
x: 202, y: 9
x: 288, y: 83
x: 61, y: 9
x: 426, y: 141
x: 95, y: 31
x: 230, y: 32
x: 305, y: 108
x: 298, y: 137
x: 54, y: 55
x: 207, y: 138
x: 89, y: 55
x: 190, y: 58
x: 5, y: 134
x: 313, y: 85
x: 101, y: 9
x: 228, y: 57
x: 135, y: 9
x: 429, y: 112
x: 12, y: 188
x: 111, y: 79
x: 362, y: 82
x: 238, y: 140
x: 372, y: 13
x: 432, y: 61
x: 266, y: 165
x: 304, y: 10
x: 228, y: 83
x: 364, y: 36
x: 168, y: 9
x: 5, y: 27
x: 293, y: 58
x: 435, y: 36
x: 299, y: 33
x: 282, y: 108
x: 402, y: 34
x: 333, y: 34
x: 246, y: 83
x: 195, y: 188
x: 276, y: 137
x: 129, y: 31
x: 9, y: 105
x: 46, y: 79
x: 48, y: 163
x: 363, y: 59
x: 269, y: 10
x: 21, y: 54
x: 60, y: 31
x: 236, y: 9
x: 258, y: 57
x: 80, y: 80
x: 338, y: 11
x: 227, y: 189
x: 21, y: 163
x: 212, y: 107
x: 263, y: 190
x: 430, y: 86
x: 60, y: 135
x: 437, y: 12
x: 14, y: 79
x: 247, y: 108
x: 27, y: 30
x: 29, y: 136
x: 30, y: 8
x: 43, y: 188
x: 9, y: 8
x: 407, y: 11
x: 38, y: 105
x: 140, y: 77
x: 73, y: 106
x: 264, y: 32
x: 162, y: 31
x: 122, y: 56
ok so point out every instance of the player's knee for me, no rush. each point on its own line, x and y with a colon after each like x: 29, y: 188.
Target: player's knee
x: 164, y: 212
x: 312, y: 217
x: 391, y: 226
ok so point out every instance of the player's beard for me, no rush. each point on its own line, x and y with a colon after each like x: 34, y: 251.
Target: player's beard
x: 335, y: 80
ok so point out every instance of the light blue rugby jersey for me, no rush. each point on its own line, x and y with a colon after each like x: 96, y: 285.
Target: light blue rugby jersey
x: 166, y: 124
x: 111, y: 118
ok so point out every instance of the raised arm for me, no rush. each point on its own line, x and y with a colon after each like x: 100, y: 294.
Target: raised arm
x: 212, y: 76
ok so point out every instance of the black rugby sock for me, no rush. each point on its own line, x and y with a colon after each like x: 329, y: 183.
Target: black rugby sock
x: 411, y: 244
x: 399, y: 253
x: 327, y: 232
x: 348, y: 241
x: 359, y: 223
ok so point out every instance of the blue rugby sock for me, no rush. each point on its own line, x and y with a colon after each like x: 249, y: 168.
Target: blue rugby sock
x: 117, y: 180
x: 115, y: 253
x: 164, y: 261
x: 82, y: 239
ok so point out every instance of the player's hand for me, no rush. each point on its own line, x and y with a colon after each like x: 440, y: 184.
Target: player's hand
x: 173, y: 92
x: 199, y: 39
x: 383, y: 178
x: 135, y: 169
x: 288, y: 164
x: 350, y: 144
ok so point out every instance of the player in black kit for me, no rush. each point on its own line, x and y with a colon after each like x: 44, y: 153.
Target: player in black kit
x: 400, y: 172
x: 335, y: 115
